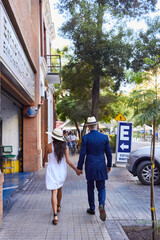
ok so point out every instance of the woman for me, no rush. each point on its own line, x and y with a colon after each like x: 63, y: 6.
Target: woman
x: 57, y: 153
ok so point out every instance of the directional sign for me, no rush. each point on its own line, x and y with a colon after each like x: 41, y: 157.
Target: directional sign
x: 124, y: 141
x: 120, y: 117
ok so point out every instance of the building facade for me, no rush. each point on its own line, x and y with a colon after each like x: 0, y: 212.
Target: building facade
x: 27, y: 75
x: 27, y: 106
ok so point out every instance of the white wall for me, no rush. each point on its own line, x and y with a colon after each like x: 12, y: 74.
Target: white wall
x: 10, y: 124
x: 50, y: 112
x: 48, y: 44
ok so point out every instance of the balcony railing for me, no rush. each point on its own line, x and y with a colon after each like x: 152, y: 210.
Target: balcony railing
x: 54, y: 68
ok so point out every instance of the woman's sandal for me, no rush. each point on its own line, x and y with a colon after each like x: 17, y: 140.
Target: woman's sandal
x: 58, y: 208
x: 55, y: 221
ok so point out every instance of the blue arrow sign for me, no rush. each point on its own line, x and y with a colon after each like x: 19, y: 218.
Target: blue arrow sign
x: 124, y: 141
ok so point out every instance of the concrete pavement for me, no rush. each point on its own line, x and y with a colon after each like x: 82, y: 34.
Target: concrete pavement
x: 30, y: 214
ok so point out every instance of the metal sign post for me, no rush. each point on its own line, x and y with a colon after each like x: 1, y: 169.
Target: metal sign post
x: 124, y: 141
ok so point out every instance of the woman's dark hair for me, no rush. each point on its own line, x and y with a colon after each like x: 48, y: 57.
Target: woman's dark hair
x: 59, y: 149
x: 64, y: 131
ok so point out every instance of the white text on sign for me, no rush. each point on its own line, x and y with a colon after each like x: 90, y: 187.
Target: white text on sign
x: 124, y: 133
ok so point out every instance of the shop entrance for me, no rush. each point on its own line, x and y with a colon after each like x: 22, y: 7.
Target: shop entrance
x: 1, y: 144
x: 11, y: 130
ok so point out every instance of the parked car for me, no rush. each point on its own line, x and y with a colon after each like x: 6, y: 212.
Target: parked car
x: 139, y: 164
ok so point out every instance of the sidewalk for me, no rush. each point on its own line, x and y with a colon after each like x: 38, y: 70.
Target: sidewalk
x: 11, y: 183
x: 30, y: 217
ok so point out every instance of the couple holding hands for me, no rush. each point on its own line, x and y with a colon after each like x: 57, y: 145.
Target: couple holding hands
x: 94, y: 146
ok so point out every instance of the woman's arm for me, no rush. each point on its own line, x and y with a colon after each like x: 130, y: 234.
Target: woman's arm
x: 47, y: 150
x: 71, y: 164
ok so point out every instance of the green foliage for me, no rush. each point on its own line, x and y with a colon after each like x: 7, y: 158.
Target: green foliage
x: 120, y: 7
x: 103, y: 54
x: 146, y: 98
x: 112, y: 142
x: 72, y: 109
x: 113, y: 105
x: 147, y: 45
x: 77, y: 78
x: 135, y: 77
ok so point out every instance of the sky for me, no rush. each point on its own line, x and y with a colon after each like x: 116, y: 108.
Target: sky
x: 58, y: 20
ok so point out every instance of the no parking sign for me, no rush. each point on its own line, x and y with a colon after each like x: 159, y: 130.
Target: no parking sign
x: 124, y: 141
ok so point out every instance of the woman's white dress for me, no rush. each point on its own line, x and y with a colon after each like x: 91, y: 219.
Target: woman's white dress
x: 56, y: 172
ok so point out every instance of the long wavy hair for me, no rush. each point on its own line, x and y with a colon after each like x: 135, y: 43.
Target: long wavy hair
x: 59, y: 149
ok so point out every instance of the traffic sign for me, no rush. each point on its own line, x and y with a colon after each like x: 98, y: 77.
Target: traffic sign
x: 124, y: 141
x: 120, y: 117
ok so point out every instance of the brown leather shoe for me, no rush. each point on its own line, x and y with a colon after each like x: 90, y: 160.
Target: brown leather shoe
x: 102, y: 213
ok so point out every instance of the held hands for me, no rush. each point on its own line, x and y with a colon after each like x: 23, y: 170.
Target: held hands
x: 78, y: 172
x: 43, y: 164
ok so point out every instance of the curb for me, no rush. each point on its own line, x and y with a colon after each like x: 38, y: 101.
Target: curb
x: 17, y: 193
x: 115, y: 230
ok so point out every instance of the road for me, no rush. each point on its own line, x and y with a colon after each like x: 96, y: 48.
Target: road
x: 140, y: 144
x: 135, y: 145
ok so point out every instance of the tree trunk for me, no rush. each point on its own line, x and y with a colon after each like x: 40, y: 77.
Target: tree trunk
x: 97, y: 67
x: 144, y: 133
x: 95, y: 96
x: 84, y: 128
x: 153, y: 208
x: 79, y: 133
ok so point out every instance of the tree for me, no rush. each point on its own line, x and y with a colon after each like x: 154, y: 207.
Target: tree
x: 77, y: 81
x: 73, y: 110
x: 132, y: 8
x: 73, y: 96
x: 146, y: 102
x: 107, y: 52
x: 147, y: 44
x: 75, y: 91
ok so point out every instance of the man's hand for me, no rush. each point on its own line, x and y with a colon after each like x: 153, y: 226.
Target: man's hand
x: 78, y: 172
x: 108, y: 169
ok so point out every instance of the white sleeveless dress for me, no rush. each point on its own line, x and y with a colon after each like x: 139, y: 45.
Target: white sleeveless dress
x: 56, y: 172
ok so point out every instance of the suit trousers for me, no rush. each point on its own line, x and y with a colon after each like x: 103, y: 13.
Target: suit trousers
x: 100, y: 185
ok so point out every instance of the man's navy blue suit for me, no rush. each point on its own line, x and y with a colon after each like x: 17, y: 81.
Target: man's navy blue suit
x: 94, y: 147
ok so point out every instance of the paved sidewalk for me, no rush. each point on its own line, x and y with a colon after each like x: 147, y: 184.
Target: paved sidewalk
x: 11, y: 183
x: 30, y: 216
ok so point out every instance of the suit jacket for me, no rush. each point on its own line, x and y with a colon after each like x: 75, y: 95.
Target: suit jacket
x: 94, y: 147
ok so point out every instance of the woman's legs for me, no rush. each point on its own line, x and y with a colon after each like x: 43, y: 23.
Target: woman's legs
x: 54, y: 202
x: 59, y: 197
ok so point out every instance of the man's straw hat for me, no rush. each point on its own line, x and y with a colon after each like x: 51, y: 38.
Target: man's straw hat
x: 91, y: 121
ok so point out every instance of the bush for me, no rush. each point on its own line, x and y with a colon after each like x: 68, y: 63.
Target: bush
x: 112, y: 142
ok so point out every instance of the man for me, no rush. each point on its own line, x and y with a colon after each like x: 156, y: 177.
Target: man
x: 65, y: 134
x: 73, y: 141
x: 94, y: 146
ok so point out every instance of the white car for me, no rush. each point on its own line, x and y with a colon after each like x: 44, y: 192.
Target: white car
x: 139, y: 164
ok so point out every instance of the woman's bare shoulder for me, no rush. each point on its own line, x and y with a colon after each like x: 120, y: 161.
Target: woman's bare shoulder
x: 49, y: 148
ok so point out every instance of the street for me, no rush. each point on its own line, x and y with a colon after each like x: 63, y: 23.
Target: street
x: 140, y: 144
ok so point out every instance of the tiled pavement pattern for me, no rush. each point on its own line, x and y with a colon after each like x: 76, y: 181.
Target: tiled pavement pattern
x: 30, y: 216
x: 128, y: 202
